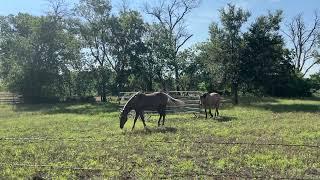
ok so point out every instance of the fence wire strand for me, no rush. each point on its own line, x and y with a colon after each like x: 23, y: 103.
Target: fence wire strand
x: 41, y: 139
x: 131, y: 171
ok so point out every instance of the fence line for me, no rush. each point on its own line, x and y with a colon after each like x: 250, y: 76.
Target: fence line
x: 134, y: 165
x: 40, y: 139
x: 234, y: 175
x: 10, y: 98
x: 29, y: 165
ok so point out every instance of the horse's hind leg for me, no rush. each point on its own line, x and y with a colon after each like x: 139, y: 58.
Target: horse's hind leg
x: 142, y: 118
x: 205, y: 110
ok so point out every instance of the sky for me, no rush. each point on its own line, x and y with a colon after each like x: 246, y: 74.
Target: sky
x: 199, y: 20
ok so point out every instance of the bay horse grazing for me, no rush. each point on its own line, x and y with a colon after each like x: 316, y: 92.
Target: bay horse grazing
x: 210, y: 100
x: 155, y: 102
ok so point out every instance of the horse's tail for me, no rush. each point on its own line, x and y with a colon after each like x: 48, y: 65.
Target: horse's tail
x: 174, y: 101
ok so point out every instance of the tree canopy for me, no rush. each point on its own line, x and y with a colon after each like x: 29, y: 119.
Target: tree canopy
x: 91, y: 49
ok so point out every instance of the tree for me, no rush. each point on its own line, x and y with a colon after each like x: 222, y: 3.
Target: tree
x: 156, y: 60
x: 225, y: 46
x: 304, y: 41
x: 171, y: 18
x: 315, y: 79
x: 126, y: 46
x: 36, y: 53
x: 93, y: 24
x: 265, y: 63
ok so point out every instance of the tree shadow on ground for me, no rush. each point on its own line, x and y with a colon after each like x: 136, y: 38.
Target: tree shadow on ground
x: 69, y: 108
x: 281, y: 108
x: 247, y: 100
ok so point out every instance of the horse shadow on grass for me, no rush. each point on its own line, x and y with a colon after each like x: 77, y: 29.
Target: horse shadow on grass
x: 153, y: 130
x: 225, y: 118
x: 219, y: 118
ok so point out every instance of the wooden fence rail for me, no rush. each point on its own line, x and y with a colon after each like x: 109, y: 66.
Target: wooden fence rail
x: 190, y: 98
x: 10, y: 98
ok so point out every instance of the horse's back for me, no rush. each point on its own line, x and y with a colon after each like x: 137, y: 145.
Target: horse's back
x: 213, y: 100
x: 152, y: 101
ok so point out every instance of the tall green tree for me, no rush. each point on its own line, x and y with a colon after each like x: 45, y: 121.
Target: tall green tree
x: 226, y: 43
x: 36, y: 52
x: 265, y: 62
x: 127, y: 46
x: 155, y: 62
x: 94, y: 24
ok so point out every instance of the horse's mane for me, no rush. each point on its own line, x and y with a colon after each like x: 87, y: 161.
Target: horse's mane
x: 125, y: 106
x: 205, y: 95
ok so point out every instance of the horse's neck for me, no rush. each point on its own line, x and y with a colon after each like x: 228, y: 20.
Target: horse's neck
x: 130, y: 104
x: 127, y: 108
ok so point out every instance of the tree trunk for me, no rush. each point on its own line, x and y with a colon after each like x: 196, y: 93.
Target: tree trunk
x: 176, y: 70
x: 235, y: 93
x: 149, y: 84
x: 104, y: 93
x: 103, y: 87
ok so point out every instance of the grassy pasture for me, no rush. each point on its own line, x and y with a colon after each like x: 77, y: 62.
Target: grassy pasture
x: 80, y: 141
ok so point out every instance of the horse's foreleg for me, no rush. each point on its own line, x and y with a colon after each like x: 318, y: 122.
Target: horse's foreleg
x: 135, y: 120
x: 205, y: 110
x: 217, y: 111
x: 210, y: 112
x: 163, y: 118
x: 159, y: 120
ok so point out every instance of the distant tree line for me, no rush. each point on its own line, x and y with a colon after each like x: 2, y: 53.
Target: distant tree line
x: 91, y: 50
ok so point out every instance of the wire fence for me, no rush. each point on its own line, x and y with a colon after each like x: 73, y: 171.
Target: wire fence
x: 131, y: 172
x: 131, y: 167
x: 41, y: 139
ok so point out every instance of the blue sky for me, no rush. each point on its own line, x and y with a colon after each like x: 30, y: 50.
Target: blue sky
x: 199, y: 20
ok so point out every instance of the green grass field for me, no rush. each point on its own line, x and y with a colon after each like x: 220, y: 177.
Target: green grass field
x: 269, y: 138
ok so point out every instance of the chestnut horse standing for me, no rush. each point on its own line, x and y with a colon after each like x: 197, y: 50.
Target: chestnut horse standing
x: 210, y: 100
x: 155, y: 102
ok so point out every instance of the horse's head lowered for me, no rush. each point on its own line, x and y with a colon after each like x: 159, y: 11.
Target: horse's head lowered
x: 123, y: 119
